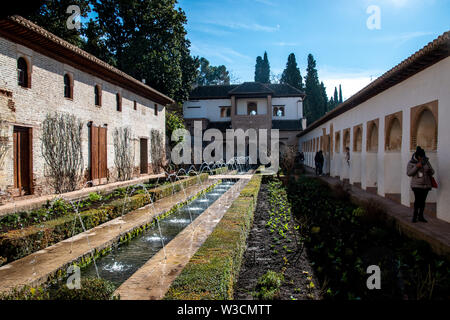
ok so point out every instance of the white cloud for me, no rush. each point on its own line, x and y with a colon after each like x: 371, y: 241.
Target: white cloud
x: 351, y: 81
x: 251, y: 27
x: 225, y: 54
x: 286, y: 44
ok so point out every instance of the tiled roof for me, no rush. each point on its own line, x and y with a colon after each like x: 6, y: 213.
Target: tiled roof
x: 245, y: 89
x: 208, y: 92
x: 251, y: 88
x: 287, y: 125
x: 25, y: 32
x: 432, y: 53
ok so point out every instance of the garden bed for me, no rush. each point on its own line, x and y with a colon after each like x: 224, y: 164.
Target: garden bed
x: 212, y: 271
x: 53, y: 227
x: 343, y: 239
x: 275, y: 265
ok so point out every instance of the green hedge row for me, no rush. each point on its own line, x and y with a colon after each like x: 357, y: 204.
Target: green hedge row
x: 17, y: 244
x: 212, y: 271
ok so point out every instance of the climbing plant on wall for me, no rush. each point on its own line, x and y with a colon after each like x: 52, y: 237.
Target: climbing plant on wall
x: 123, y: 153
x: 157, y: 149
x: 61, y: 150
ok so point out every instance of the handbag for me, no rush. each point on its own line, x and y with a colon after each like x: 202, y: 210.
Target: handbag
x: 434, y: 183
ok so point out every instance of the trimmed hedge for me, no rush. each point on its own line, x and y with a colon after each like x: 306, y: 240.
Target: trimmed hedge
x: 17, y: 244
x: 91, y: 289
x: 213, y: 270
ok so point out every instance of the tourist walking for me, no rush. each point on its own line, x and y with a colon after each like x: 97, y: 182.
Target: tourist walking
x: 421, y: 173
x: 347, y: 155
x: 318, y: 159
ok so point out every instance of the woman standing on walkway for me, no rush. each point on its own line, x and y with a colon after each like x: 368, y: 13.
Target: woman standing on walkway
x: 421, y: 171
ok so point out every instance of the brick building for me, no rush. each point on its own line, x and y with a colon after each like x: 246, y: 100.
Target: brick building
x: 248, y: 105
x: 42, y: 74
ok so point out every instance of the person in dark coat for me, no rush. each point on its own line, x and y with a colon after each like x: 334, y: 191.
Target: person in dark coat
x: 319, y: 160
x: 421, y: 172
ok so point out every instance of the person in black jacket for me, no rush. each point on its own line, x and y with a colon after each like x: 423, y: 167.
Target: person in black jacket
x: 318, y: 159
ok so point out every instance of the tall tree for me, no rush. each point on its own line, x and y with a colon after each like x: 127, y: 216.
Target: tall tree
x: 262, y: 69
x: 144, y: 38
x: 258, y: 69
x: 313, y: 103
x: 336, y: 98
x: 211, y: 75
x: 291, y: 75
x: 341, y: 100
x: 53, y: 16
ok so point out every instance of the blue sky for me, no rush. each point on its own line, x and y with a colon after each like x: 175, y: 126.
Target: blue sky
x: 235, y: 32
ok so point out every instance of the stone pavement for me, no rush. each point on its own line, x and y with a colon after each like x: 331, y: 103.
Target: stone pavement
x: 37, y: 202
x: 436, y: 232
x: 35, y: 269
x: 154, y: 278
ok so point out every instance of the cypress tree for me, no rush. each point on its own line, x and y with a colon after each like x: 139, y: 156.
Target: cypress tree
x: 336, y: 99
x: 258, y: 69
x: 340, y: 94
x: 291, y: 75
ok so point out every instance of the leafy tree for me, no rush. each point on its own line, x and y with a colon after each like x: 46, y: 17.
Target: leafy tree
x: 316, y: 102
x: 174, y: 121
x: 291, y: 75
x: 262, y: 69
x: 52, y: 16
x: 144, y: 38
x: 211, y: 75
x: 336, y: 99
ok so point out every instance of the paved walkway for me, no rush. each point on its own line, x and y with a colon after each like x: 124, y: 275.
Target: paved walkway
x: 37, y: 202
x: 152, y: 280
x: 436, y: 232
x: 36, y: 268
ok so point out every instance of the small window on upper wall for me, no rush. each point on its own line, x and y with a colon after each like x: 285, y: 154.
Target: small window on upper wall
x: 225, y: 112
x: 68, y: 86
x: 156, y: 109
x: 118, y: 102
x: 135, y: 105
x: 278, y: 111
x: 98, y: 95
x: 23, y: 73
x: 252, y: 109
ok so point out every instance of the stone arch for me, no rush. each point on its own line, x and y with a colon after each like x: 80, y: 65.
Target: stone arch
x: 424, y: 127
x: 337, y: 143
x: 346, y: 138
x: 394, y: 132
x: 372, y: 136
x: 357, y: 138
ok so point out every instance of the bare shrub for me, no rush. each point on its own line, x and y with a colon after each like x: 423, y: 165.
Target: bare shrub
x: 157, y: 149
x: 4, y: 143
x: 287, y: 160
x: 123, y: 153
x: 61, y: 150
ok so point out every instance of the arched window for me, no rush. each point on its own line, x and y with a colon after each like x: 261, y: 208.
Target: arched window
x: 23, y: 73
x: 347, y: 139
x: 357, y: 140
x: 426, y: 132
x: 337, y: 143
x: 68, y: 87
x: 252, y: 109
x: 118, y: 102
x: 394, y: 136
x: 372, y: 139
x: 98, y: 95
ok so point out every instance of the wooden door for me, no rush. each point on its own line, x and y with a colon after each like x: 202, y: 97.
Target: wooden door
x: 99, y: 160
x: 144, y: 156
x: 23, y: 160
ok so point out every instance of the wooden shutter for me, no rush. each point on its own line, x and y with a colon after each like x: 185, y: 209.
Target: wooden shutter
x: 94, y: 152
x: 102, y: 152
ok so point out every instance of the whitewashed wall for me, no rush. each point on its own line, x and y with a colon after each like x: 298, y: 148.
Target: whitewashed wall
x: 389, y: 168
